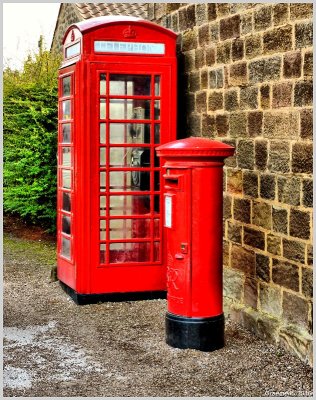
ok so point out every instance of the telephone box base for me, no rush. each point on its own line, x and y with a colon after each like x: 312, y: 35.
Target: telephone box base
x: 205, y: 334
x: 82, y: 299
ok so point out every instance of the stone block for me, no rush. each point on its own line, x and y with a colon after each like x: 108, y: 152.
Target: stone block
x: 304, y: 34
x: 233, y: 283
x: 204, y: 35
x: 253, y: 46
x: 204, y: 79
x: 263, y: 18
x: 279, y: 156
x: 189, y: 40
x: 249, y: 320
x: 277, y: 40
x: 268, y: 328
x: 289, y: 190
x: 302, y: 158
x: 280, y: 13
x: 238, y: 124
x: 175, y: 22
x: 266, y: 69
x: 238, y: 74
x: 227, y: 206
x: 234, y: 181
x: 199, y: 58
x: 246, y: 23
x: 229, y: 27
x: 250, y: 293
x: 303, y: 93
x: 225, y: 253
x: 270, y: 299
x: 261, y: 214
x: 249, y: 97
x: 295, y: 310
x: 194, y: 124
x: 306, y: 124
x: 294, y: 250
x: 300, y: 226
x: 201, y: 104
x: 285, y: 274
x: 307, y: 282
x: 254, y: 238
x: 200, y: 13
x: 241, y: 210
x: 265, y: 96
x: 211, y: 11
x: 210, y: 56
x: 216, y: 78
x: 297, y: 342
x: 301, y: 11
x: 243, y: 259
x: 307, y: 200
x: 231, y: 102
x: 267, y: 186
x: 263, y: 267
x: 189, y: 61
x: 222, y: 124
x: 230, y: 161
x: 308, y: 64
x: 215, y: 101
x: 282, y: 95
x: 237, y: 49
x: 223, y: 9
x: 292, y: 63
x: 208, y: 125
x: 234, y: 233
x: 309, y: 254
x: 214, y: 32
x: 261, y: 154
x: 223, y: 53
x: 245, y: 154
x: 280, y: 220
x: 250, y: 184
x: 274, y: 244
x: 281, y: 124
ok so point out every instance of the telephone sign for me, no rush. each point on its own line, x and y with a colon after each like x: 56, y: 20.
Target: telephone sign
x: 117, y: 103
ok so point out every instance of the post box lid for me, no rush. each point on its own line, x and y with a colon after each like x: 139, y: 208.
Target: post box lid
x: 195, y: 147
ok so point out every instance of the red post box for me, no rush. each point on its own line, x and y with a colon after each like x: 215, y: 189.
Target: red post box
x: 117, y: 103
x: 193, y: 201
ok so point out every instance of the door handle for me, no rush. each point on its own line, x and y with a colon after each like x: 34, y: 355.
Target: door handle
x: 179, y: 256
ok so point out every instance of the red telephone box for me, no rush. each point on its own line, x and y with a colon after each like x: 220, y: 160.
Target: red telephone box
x: 117, y: 103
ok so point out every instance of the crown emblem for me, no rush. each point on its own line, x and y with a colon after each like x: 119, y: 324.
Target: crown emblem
x: 72, y: 36
x: 129, y: 33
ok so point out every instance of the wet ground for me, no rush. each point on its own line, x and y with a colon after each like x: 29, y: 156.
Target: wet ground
x: 55, y: 348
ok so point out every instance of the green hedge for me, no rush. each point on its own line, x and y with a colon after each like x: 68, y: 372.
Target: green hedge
x: 30, y: 140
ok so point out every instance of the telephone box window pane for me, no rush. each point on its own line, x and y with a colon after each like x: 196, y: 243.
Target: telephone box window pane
x: 102, y: 229
x: 156, y: 251
x: 102, y: 206
x: 130, y: 133
x: 103, y: 132
x: 66, y: 179
x: 102, y: 156
x: 157, y: 85
x: 129, y: 252
x: 156, y: 228
x: 65, y: 247
x: 129, y: 228
x: 130, y: 85
x: 66, y: 202
x: 129, y: 109
x: 157, y: 109
x: 129, y: 181
x: 102, y: 253
x: 66, y: 133
x: 66, y: 86
x: 129, y: 205
x: 66, y: 224
x: 73, y: 50
x: 130, y: 157
x: 66, y: 156
x: 102, y: 84
x: 157, y: 133
x: 102, y: 181
x: 102, y: 109
x: 66, y: 106
x: 157, y: 203
x: 157, y: 181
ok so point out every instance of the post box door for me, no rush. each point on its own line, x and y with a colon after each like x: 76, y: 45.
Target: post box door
x: 177, y: 221
x: 131, y: 117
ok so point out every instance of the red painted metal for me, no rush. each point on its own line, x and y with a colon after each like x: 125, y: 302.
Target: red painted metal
x: 193, y: 220
x: 119, y: 108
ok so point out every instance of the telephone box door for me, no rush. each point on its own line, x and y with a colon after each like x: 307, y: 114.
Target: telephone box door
x: 130, y: 114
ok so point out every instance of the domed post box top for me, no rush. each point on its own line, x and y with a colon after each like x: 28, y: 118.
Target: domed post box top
x: 195, y: 147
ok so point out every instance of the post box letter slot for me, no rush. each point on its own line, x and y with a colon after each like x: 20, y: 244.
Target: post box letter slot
x: 172, y: 181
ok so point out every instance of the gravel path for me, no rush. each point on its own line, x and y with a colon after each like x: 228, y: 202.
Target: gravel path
x: 54, y: 348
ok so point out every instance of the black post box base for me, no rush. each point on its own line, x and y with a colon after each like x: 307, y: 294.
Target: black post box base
x: 205, y: 334
x: 84, y: 299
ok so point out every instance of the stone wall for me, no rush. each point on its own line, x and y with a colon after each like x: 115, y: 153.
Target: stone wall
x: 68, y: 15
x: 245, y: 78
